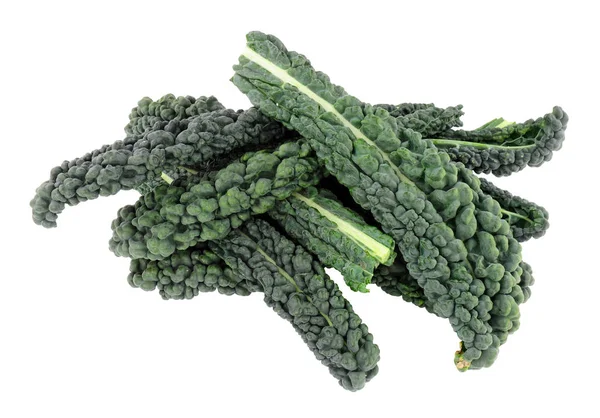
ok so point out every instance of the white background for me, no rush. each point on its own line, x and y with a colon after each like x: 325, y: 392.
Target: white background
x: 77, y: 341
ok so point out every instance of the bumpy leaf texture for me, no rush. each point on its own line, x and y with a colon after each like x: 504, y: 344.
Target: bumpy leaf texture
x: 198, y: 209
x: 395, y: 280
x: 428, y: 120
x: 153, y: 147
x: 186, y: 274
x: 298, y: 289
x: 494, y: 255
x: 463, y: 255
x: 527, y: 220
x: 150, y: 115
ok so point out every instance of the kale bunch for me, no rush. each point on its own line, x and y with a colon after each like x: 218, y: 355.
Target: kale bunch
x: 263, y: 200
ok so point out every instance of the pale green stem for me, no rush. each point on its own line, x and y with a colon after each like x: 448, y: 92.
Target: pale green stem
x: 365, y: 241
x: 166, y: 178
x: 440, y: 141
x: 516, y: 215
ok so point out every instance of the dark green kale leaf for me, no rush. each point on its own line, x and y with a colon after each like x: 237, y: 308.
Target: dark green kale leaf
x: 298, y: 289
x: 502, y: 148
x: 196, y: 209
x: 161, y: 150
x: 186, y: 274
x: 391, y: 171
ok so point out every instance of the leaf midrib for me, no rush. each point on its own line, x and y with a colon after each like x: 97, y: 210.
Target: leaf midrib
x: 285, y: 78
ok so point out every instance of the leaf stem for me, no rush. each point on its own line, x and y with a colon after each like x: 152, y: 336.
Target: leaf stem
x: 451, y: 142
x: 516, y: 215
